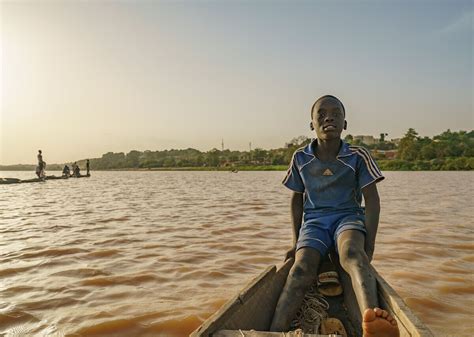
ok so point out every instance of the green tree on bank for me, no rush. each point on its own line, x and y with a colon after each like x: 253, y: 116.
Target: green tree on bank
x: 409, y: 146
x: 447, y: 151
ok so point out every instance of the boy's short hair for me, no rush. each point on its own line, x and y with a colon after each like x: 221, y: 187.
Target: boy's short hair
x: 327, y: 96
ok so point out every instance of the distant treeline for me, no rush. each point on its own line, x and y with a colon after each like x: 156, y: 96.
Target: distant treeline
x: 447, y: 151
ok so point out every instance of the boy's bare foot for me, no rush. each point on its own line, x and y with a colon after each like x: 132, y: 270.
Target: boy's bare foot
x: 378, y: 323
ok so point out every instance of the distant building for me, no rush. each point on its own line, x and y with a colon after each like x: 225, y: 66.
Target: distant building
x: 396, y: 141
x: 385, y: 154
x: 391, y: 154
x: 368, y: 140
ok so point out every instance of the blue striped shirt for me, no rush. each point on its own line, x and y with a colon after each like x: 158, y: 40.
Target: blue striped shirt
x: 332, y: 186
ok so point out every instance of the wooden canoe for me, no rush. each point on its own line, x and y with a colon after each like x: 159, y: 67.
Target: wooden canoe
x: 250, y: 312
x: 4, y: 181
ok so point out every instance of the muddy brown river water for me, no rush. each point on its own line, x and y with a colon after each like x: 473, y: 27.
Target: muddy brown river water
x: 156, y: 253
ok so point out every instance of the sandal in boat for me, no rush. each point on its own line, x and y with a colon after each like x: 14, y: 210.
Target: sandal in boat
x: 333, y: 326
x: 328, y: 284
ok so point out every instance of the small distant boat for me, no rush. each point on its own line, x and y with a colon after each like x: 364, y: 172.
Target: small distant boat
x: 250, y: 312
x: 4, y: 181
x: 81, y: 176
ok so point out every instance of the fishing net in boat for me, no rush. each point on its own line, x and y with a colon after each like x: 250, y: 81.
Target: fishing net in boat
x: 312, y: 312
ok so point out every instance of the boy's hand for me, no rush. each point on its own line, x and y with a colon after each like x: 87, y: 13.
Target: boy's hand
x: 290, y: 254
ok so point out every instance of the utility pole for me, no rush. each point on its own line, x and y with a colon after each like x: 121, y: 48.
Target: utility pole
x: 250, y: 151
x: 222, y: 144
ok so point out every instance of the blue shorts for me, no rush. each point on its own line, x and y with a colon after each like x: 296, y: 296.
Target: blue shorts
x: 321, y: 233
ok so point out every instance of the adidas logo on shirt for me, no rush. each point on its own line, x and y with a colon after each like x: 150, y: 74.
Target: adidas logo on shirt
x: 327, y: 173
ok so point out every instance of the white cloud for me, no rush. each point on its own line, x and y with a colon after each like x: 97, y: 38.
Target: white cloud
x: 463, y: 23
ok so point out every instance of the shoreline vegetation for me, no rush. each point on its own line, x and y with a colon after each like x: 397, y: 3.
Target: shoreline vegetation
x: 449, y: 151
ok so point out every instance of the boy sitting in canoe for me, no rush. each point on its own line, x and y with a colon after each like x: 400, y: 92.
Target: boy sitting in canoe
x: 328, y: 179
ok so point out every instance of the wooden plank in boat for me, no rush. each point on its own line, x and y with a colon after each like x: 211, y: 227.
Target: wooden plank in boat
x: 251, y: 309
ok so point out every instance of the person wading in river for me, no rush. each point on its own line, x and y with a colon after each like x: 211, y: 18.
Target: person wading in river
x: 41, y: 165
x: 88, y: 167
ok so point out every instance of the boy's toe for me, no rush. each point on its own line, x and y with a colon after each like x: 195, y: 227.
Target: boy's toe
x: 378, y: 312
x: 369, y: 315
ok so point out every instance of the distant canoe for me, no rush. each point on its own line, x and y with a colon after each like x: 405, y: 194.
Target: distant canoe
x: 81, y: 176
x: 9, y: 181
x: 250, y: 312
x: 4, y: 181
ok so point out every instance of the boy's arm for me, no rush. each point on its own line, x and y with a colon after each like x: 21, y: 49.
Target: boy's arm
x: 372, y: 211
x: 296, y: 219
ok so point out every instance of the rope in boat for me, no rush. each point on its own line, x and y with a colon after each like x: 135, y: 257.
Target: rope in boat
x: 312, y: 312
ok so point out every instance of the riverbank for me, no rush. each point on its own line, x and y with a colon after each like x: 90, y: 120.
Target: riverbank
x: 234, y: 170
x: 450, y: 164
x: 229, y: 169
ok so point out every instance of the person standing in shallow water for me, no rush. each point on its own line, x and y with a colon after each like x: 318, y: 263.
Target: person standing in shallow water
x: 66, y: 171
x: 328, y: 179
x: 88, y: 167
x: 76, y: 171
x: 41, y: 165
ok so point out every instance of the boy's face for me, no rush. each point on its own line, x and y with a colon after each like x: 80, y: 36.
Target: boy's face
x: 328, y: 119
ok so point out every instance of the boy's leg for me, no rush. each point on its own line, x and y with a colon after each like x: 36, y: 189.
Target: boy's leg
x: 354, y: 260
x: 301, y: 276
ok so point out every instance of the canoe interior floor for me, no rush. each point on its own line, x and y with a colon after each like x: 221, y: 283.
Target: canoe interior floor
x: 337, y: 309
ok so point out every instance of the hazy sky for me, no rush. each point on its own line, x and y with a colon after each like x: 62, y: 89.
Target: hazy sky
x: 79, y: 79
